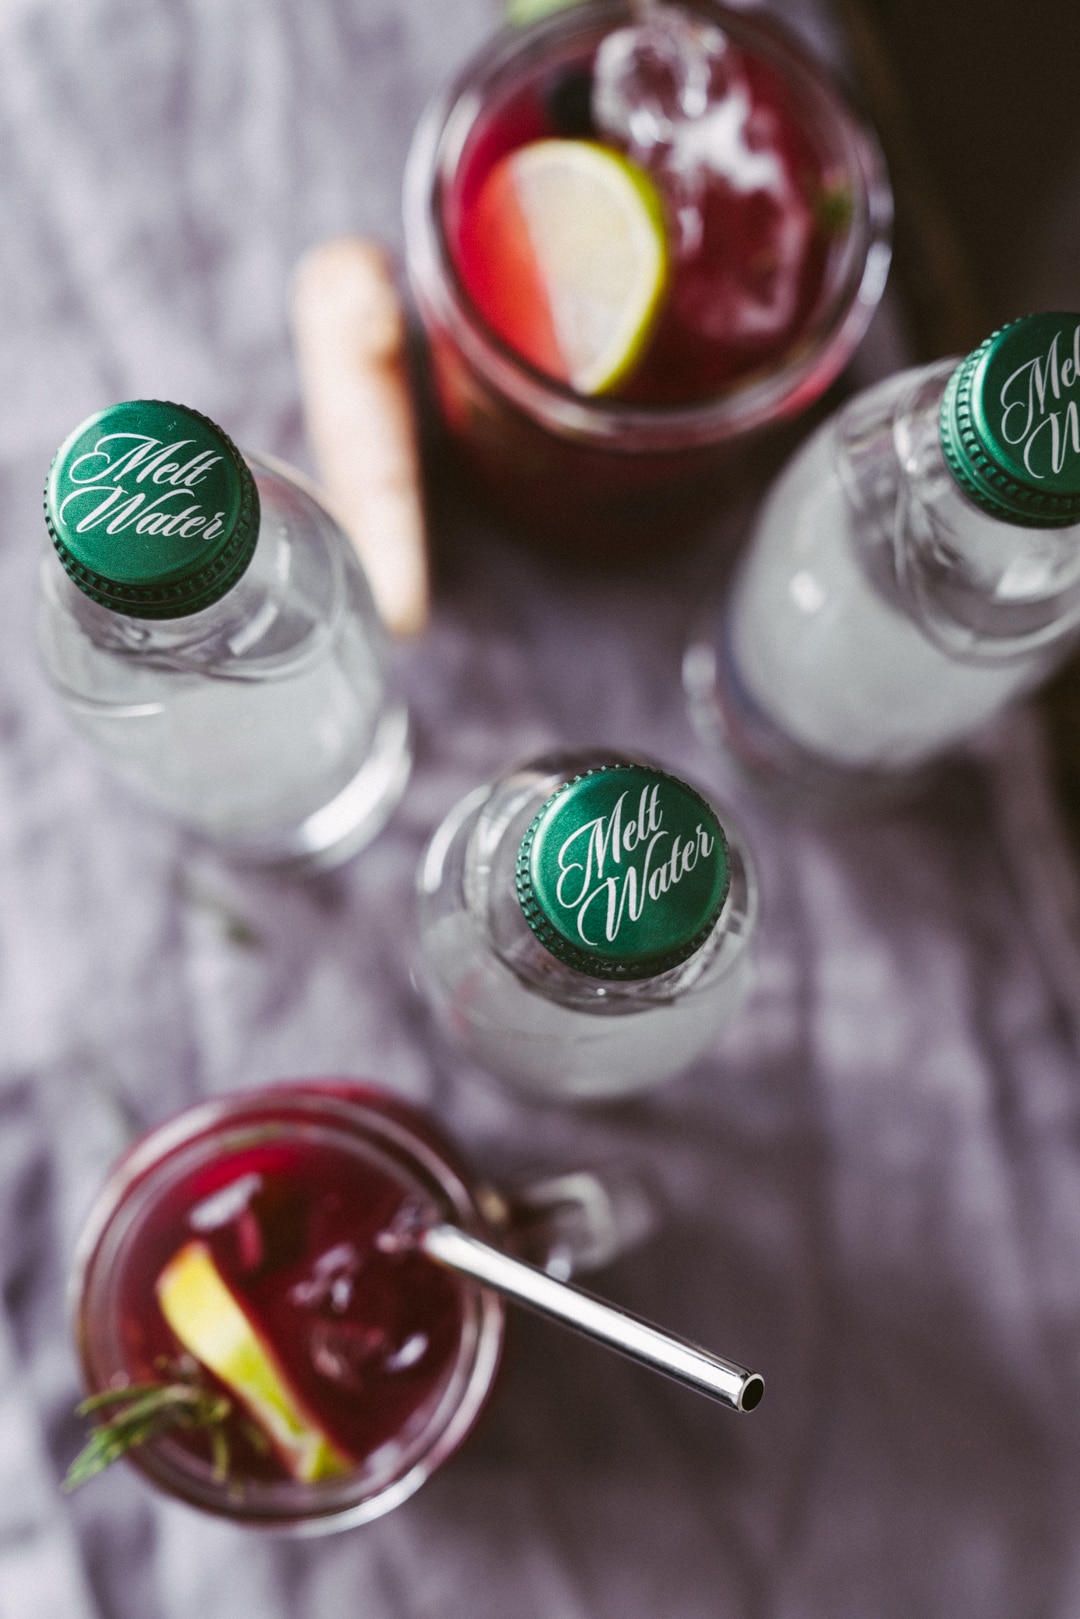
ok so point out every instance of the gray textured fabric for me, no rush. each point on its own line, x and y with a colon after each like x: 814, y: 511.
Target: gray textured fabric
x: 872, y: 1183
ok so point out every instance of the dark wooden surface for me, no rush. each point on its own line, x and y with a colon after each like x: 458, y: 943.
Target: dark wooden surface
x: 976, y: 103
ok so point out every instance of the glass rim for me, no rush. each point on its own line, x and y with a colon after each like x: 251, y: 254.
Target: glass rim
x: 354, y: 1112
x: 625, y: 426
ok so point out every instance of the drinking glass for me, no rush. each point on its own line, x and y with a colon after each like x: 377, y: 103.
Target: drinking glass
x: 294, y: 1187
x: 607, y: 471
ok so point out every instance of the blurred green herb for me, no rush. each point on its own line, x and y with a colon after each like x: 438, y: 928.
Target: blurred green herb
x: 145, y: 1411
x: 521, y: 12
x: 833, y: 206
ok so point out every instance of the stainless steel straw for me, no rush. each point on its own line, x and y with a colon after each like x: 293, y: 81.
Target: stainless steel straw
x: 721, y: 1379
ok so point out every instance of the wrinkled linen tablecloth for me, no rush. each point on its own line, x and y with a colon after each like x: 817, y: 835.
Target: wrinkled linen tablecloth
x: 872, y: 1182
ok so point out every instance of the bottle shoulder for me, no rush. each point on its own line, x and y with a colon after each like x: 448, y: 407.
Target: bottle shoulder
x: 846, y: 476
x: 870, y: 498
x: 302, y: 581
x: 986, y: 589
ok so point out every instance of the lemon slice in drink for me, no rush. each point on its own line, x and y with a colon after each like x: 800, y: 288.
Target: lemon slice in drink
x: 566, y: 257
x: 211, y: 1325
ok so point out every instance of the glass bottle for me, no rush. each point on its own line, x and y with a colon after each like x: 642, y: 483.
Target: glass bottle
x: 584, y: 924
x: 208, y: 628
x: 915, y: 567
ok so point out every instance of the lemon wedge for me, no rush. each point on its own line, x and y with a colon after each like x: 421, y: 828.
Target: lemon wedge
x: 570, y: 259
x: 212, y: 1326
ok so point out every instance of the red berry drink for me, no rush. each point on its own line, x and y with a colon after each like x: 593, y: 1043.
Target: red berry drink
x: 637, y: 241
x: 253, y: 1249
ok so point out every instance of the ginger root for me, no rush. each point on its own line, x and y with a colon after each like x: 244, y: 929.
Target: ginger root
x: 349, y: 332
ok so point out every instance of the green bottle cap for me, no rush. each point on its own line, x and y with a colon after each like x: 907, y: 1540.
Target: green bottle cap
x: 1010, y: 423
x: 152, y: 509
x: 624, y: 872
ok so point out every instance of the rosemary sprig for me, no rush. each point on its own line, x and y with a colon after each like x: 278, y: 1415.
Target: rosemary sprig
x: 145, y: 1411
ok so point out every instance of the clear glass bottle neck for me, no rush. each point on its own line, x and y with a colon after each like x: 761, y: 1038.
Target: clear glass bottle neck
x: 981, y: 588
x: 290, y: 588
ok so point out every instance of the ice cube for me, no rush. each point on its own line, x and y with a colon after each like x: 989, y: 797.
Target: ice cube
x: 222, y: 1208
x: 344, y: 1352
x: 408, y: 1354
x: 402, y: 1234
x: 650, y: 80
x: 330, y: 1280
x: 752, y: 296
x: 233, y: 1206
x: 674, y: 92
